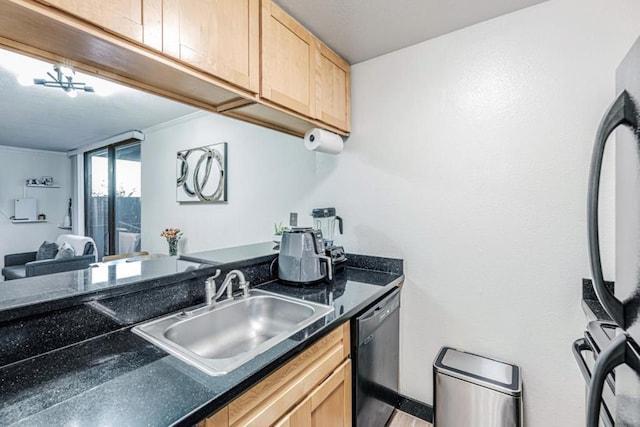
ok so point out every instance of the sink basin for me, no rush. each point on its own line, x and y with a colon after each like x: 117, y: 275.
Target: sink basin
x: 219, y: 339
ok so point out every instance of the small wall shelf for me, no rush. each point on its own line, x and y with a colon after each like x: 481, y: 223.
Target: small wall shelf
x: 64, y: 227
x: 41, y: 186
x: 27, y: 221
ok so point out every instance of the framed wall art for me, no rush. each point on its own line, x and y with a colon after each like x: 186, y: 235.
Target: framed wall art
x: 202, y: 174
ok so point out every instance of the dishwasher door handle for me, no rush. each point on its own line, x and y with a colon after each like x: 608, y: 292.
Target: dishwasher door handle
x: 371, y: 320
x: 370, y: 316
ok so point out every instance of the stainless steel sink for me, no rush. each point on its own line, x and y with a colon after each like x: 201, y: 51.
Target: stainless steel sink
x: 220, y: 338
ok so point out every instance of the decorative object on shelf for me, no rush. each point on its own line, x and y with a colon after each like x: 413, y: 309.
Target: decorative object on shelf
x: 25, y: 210
x: 63, y: 79
x: 42, y: 217
x: 172, y: 235
x: 67, y: 218
x: 202, y: 174
x: 278, y: 229
x: 43, y: 182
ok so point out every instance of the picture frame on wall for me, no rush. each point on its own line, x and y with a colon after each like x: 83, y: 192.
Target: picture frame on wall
x: 201, y: 174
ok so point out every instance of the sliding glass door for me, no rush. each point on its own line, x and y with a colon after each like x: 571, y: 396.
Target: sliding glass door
x: 127, y: 200
x: 112, y: 199
x: 97, y: 184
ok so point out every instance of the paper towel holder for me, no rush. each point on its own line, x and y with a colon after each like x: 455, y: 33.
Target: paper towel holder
x: 323, y: 141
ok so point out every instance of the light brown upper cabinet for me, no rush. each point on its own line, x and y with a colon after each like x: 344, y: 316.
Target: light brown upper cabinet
x: 220, y: 37
x: 120, y: 16
x: 288, y: 61
x: 301, y: 73
x: 334, y: 79
x: 243, y: 58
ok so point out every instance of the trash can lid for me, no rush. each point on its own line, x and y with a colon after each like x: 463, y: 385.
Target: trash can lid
x: 494, y: 374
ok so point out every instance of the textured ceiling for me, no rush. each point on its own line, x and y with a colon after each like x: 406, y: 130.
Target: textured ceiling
x: 46, y: 118
x: 363, y: 29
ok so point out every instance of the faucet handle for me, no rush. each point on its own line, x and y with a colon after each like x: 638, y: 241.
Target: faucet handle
x: 211, y: 280
x: 210, y: 287
x: 215, y: 276
x: 244, y: 285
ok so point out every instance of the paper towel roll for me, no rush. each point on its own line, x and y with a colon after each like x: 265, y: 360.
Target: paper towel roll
x: 323, y: 141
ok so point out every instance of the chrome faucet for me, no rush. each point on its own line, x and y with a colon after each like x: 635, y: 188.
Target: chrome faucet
x: 226, y: 285
x: 210, y: 288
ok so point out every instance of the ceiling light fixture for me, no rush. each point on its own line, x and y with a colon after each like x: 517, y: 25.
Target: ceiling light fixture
x: 64, y: 79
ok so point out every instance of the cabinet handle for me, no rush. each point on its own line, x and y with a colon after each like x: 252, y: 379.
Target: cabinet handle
x: 623, y: 111
x: 579, y: 346
x: 618, y: 352
x: 611, y: 357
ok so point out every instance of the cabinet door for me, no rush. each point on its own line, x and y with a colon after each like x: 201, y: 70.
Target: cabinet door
x: 334, y: 97
x: 328, y: 405
x: 288, y: 61
x: 120, y: 16
x: 219, y: 419
x: 220, y: 37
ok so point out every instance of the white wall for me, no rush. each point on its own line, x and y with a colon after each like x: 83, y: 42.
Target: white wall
x: 469, y: 159
x: 269, y: 174
x: 16, y: 165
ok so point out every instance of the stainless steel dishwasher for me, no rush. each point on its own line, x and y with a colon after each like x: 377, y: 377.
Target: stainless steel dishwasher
x: 375, y: 355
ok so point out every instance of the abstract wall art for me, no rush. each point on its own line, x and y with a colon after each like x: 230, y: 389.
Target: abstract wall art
x: 202, y: 174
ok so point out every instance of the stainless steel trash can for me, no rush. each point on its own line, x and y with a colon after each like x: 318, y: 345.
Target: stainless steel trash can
x: 475, y: 391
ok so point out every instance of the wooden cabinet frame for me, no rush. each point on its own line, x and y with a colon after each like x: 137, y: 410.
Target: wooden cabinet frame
x: 196, y: 35
x: 302, y: 74
x: 33, y: 28
x: 288, y: 61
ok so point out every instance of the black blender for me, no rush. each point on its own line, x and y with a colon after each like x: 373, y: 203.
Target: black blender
x: 324, y: 219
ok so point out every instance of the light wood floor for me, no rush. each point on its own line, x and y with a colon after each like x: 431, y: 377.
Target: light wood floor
x: 402, y: 419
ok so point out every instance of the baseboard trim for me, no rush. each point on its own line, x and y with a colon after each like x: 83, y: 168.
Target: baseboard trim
x: 415, y: 408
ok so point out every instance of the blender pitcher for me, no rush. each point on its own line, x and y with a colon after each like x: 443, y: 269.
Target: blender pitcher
x: 324, y: 219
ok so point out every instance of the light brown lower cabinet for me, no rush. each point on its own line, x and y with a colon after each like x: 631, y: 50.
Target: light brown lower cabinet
x: 329, y: 404
x: 313, y: 389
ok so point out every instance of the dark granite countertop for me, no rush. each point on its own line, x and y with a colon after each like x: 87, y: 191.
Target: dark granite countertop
x: 118, y: 378
x: 55, y: 291
x: 43, y: 293
x: 234, y: 254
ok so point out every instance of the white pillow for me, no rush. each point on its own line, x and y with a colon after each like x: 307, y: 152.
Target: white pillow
x: 65, y: 251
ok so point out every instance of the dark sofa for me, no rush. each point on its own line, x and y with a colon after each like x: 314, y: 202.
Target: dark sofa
x: 21, y: 265
x: 18, y: 266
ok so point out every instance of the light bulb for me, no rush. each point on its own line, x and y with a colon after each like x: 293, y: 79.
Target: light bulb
x: 25, y: 80
x: 72, y: 93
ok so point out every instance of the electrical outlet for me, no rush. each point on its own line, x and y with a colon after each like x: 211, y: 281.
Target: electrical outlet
x: 293, y: 219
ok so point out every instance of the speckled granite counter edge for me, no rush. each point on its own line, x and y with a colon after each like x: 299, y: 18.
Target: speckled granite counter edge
x: 388, y: 265
x: 591, y: 306
x: 367, y: 262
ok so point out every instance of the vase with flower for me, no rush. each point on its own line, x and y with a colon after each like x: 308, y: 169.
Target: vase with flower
x: 172, y: 235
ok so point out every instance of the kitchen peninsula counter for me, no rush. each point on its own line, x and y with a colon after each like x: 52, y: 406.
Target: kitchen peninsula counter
x: 118, y: 378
